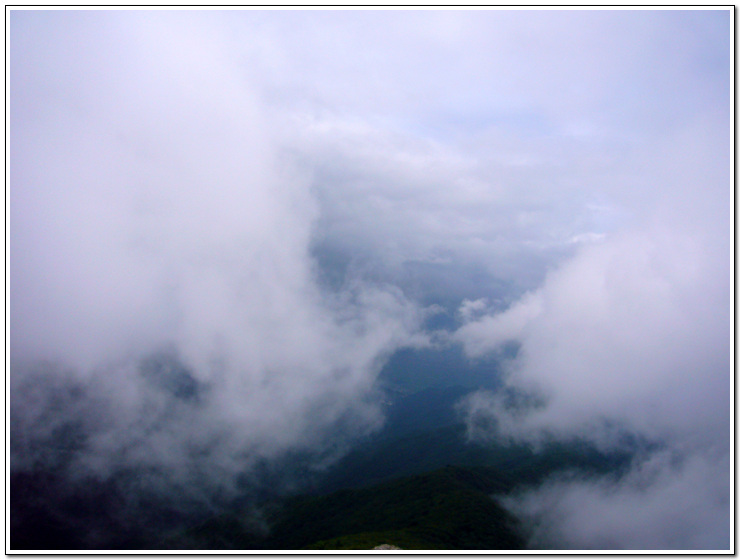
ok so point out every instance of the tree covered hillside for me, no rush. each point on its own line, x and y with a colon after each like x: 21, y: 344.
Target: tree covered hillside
x: 450, y: 508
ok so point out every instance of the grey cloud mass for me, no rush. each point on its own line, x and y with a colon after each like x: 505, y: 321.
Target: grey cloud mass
x: 632, y: 331
x: 223, y: 223
x: 151, y: 212
x: 663, y: 503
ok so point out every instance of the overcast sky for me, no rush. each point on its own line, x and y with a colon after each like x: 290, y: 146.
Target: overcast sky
x: 280, y: 198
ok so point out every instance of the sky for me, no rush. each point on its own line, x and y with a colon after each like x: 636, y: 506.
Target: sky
x: 277, y: 201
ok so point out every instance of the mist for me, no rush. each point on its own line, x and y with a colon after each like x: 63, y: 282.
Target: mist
x: 630, y: 335
x: 164, y: 302
x: 223, y: 224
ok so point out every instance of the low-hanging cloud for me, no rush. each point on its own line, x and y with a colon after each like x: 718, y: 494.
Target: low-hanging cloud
x: 183, y: 184
x: 163, y: 299
x: 634, y: 333
x: 663, y: 503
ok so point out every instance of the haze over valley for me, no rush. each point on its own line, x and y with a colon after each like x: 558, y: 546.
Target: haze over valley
x: 287, y: 279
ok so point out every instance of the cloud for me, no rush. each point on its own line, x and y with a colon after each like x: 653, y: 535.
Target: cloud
x: 222, y: 223
x: 633, y: 332
x: 423, y: 214
x: 430, y: 70
x: 641, y: 315
x: 660, y: 505
x: 481, y: 169
x: 493, y: 331
x: 161, y: 275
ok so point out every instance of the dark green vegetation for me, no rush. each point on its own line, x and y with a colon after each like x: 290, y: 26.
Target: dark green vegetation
x: 405, y: 491
x: 418, y: 484
x: 425, y: 451
x: 446, y: 509
x: 424, y: 432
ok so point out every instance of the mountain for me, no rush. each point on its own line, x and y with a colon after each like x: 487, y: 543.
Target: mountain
x: 407, y: 492
x: 450, y: 508
x: 424, y: 433
x: 398, y: 487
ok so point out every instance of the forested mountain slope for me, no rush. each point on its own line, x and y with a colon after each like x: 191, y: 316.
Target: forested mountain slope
x: 450, y: 508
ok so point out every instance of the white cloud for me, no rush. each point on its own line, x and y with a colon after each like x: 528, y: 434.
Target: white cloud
x: 633, y: 332
x: 660, y: 505
x: 151, y: 210
x: 493, y: 331
x: 633, y: 325
x: 174, y: 177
